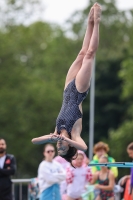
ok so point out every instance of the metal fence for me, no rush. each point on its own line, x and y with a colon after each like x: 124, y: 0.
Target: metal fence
x: 20, y: 189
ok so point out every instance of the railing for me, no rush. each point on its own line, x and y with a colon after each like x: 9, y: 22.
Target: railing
x: 20, y: 183
x: 19, y: 194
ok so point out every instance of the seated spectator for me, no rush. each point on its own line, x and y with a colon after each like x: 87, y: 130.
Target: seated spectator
x: 106, y: 182
x: 50, y: 175
x: 125, y: 178
x: 101, y: 149
x: 78, y: 177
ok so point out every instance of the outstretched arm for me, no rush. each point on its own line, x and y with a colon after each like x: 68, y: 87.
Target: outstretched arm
x: 42, y: 139
x: 46, y: 138
x: 78, y: 143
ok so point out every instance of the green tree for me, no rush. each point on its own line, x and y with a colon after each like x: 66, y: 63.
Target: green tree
x: 34, y: 60
x: 33, y: 68
x: 121, y: 137
x: 113, y: 49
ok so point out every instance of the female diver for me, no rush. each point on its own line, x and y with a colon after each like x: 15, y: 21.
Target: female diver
x: 69, y: 121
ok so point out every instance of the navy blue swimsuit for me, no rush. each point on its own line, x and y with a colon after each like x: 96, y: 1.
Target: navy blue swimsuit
x: 70, y: 112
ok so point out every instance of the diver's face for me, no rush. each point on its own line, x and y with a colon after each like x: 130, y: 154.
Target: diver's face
x: 62, y: 147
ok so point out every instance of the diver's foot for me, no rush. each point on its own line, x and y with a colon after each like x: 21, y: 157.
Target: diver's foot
x: 97, y: 13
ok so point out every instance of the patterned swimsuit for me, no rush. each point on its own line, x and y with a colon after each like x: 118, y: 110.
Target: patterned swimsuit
x: 105, y: 194
x: 70, y: 112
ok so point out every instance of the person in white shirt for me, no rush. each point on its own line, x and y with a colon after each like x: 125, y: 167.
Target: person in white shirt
x: 65, y: 164
x: 77, y: 178
x: 50, y: 175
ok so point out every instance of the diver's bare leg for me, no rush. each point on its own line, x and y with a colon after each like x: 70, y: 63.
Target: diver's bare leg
x: 84, y: 75
x: 76, y: 65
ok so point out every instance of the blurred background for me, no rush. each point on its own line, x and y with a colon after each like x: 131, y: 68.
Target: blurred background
x: 38, y: 42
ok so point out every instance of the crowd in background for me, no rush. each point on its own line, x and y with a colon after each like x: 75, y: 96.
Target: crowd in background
x: 58, y: 180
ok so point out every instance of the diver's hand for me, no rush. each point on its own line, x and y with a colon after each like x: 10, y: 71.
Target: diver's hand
x: 56, y: 137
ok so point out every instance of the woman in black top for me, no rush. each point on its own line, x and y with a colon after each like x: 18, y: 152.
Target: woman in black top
x: 69, y: 121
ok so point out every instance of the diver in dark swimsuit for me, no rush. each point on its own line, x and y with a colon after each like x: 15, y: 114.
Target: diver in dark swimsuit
x: 69, y: 121
x: 70, y: 111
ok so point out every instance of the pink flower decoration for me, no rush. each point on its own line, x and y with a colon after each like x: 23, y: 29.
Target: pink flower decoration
x: 8, y: 161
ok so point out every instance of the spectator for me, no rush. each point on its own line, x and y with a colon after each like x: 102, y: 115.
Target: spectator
x: 85, y: 160
x: 7, y: 168
x: 77, y: 178
x: 50, y: 174
x: 65, y: 164
x: 100, y: 149
x: 104, y: 189
x: 125, y: 178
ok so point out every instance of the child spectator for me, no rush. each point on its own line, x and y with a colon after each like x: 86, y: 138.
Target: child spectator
x: 78, y: 177
x: 105, y: 178
x: 101, y: 149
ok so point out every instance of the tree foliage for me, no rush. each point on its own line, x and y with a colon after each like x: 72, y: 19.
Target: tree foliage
x: 34, y: 60
x: 33, y: 69
x: 115, y: 33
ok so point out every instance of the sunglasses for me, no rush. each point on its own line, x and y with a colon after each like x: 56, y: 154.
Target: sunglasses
x: 50, y: 151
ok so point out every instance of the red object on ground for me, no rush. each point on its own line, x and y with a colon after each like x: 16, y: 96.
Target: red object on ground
x: 127, y: 195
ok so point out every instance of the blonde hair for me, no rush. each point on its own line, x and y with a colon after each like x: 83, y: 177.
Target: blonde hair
x: 99, y: 146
